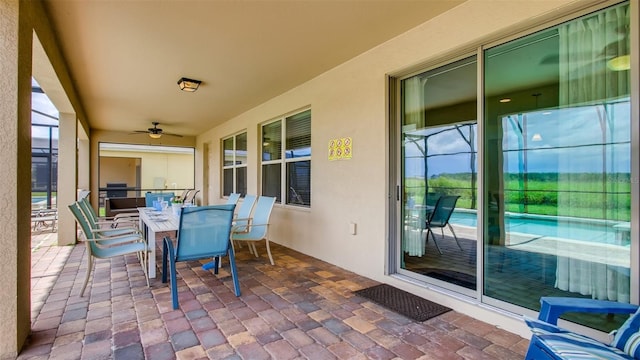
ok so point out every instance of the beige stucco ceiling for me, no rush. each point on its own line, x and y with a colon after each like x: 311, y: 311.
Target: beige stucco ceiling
x: 126, y: 56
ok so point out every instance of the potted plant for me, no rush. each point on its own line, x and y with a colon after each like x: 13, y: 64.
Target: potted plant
x: 176, y: 205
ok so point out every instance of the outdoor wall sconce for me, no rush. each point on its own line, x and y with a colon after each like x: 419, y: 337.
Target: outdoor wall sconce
x: 189, y: 85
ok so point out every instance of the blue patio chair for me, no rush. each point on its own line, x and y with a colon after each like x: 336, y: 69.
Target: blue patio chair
x: 104, y: 248
x: 439, y: 218
x: 257, y: 229
x: 243, y: 216
x: 240, y: 221
x: 150, y: 197
x: 233, y: 198
x: 204, y: 232
x: 552, y: 342
x: 96, y: 224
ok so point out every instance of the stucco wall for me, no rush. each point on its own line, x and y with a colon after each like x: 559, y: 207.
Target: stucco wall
x: 15, y: 166
x: 352, y: 100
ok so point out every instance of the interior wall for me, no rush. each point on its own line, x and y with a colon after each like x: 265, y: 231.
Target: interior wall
x: 98, y: 136
x: 118, y: 170
x: 351, y: 100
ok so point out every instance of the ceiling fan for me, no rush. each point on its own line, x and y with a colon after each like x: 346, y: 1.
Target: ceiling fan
x: 155, y: 132
x: 615, y: 54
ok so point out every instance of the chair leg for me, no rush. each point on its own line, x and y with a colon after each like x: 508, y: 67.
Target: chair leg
x: 216, y: 264
x: 168, y: 252
x: 89, y: 268
x: 454, y: 236
x: 145, y: 265
x: 165, y: 257
x: 252, y: 245
x: 434, y: 239
x: 174, y: 285
x: 269, y: 252
x: 234, y: 271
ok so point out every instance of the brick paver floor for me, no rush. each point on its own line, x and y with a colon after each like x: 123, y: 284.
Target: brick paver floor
x: 301, y: 308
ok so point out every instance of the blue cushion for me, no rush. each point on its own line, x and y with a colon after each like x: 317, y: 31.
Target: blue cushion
x: 627, y: 338
x: 568, y: 345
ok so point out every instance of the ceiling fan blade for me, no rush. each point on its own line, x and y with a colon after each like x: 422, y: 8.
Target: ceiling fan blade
x: 170, y: 134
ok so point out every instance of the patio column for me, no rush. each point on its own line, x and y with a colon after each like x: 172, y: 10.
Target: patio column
x: 67, y: 177
x: 83, y: 159
x: 15, y: 171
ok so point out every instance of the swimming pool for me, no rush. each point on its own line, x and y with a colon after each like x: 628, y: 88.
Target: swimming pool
x: 558, y: 227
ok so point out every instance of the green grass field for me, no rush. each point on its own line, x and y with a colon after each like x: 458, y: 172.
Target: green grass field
x: 575, y: 195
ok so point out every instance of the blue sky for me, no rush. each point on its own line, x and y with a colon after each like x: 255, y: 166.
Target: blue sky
x: 561, y: 140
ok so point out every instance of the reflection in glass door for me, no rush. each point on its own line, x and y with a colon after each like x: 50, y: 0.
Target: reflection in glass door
x: 557, y: 154
x: 439, y: 174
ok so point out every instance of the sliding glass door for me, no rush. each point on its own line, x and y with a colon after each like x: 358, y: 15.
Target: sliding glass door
x: 546, y: 167
x: 439, y: 174
x: 558, y: 163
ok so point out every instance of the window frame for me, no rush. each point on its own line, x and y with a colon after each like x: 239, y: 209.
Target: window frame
x: 283, y: 160
x: 234, y: 165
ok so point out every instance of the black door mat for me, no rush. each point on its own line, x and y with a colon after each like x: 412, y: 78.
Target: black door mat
x: 400, y: 301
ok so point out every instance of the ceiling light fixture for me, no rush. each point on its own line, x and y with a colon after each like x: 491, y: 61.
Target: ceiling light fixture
x: 155, y: 136
x: 619, y: 63
x: 505, y: 100
x: 189, y: 85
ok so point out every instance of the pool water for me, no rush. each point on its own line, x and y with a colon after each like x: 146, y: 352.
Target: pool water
x: 565, y: 228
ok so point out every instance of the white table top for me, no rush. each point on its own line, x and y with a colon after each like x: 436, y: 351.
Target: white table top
x: 159, y: 221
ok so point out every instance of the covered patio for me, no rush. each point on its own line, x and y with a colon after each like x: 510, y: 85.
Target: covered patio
x: 300, y: 308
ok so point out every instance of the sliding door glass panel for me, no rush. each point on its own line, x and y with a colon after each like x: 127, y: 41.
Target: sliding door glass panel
x: 439, y: 174
x: 557, y: 165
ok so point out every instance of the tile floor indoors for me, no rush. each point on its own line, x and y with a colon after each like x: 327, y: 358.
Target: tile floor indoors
x: 301, y: 308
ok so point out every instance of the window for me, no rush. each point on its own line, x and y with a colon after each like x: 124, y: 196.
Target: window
x: 129, y: 170
x: 291, y: 161
x: 234, y: 165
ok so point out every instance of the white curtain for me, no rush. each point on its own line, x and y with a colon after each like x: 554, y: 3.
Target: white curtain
x: 600, y: 281
x: 414, y: 114
x: 414, y: 101
x: 585, y: 47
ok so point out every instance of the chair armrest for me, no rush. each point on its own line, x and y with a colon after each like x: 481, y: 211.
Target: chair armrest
x: 130, y: 230
x: 126, y: 215
x: 553, y: 307
x: 245, y: 228
x: 117, y: 239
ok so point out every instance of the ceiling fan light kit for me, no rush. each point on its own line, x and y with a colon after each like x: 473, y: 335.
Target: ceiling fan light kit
x: 189, y: 85
x: 620, y: 63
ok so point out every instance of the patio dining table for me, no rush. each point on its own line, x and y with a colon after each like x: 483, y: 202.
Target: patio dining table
x: 152, y: 222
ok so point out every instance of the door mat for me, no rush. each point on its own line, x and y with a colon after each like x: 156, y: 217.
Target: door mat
x: 402, y: 302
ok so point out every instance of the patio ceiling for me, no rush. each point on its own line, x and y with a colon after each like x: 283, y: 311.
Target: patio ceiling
x: 126, y: 56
